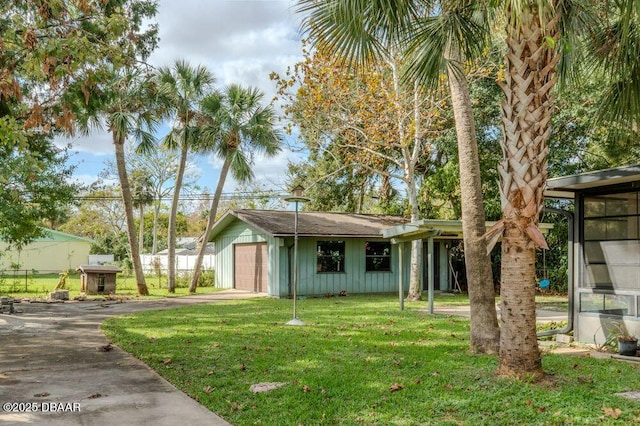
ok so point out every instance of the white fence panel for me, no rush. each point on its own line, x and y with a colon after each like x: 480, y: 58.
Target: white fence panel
x: 184, y: 263
x: 100, y: 259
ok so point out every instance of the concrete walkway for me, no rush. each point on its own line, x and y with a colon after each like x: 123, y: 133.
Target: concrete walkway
x: 52, y: 363
x: 541, y: 314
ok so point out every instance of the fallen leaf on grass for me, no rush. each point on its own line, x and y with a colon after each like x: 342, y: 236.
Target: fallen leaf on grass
x: 167, y: 361
x: 306, y: 388
x: 611, y: 412
x: 207, y: 389
x: 396, y: 387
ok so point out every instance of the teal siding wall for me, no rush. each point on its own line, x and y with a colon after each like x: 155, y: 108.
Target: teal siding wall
x: 354, y: 279
x: 443, y: 282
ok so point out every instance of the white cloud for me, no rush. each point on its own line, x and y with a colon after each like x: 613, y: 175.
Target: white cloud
x: 98, y: 143
x: 241, y: 42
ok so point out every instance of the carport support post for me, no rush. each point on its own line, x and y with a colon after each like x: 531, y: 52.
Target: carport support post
x: 401, y: 274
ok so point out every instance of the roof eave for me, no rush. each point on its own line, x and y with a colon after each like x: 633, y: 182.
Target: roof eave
x: 589, y: 180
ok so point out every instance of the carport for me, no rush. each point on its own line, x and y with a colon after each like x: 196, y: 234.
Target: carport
x: 432, y: 231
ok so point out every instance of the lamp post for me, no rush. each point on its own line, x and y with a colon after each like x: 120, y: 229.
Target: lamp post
x: 296, y: 197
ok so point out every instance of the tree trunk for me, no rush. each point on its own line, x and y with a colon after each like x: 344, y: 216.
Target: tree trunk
x: 526, y: 115
x: 156, y: 213
x: 485, y: 334
x: 171, y: 274
x: 415, y: 290
x: 210, y: 222
x: 415, y: 282
x: 519, y: 353
x: 141, y: 230
x: 127, y: 200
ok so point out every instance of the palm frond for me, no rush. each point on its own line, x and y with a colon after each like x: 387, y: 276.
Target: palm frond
x: 240, y: 167
x: 359, y: 30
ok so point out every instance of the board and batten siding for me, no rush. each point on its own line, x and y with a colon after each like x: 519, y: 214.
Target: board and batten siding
x: 354, y: 279
x: 239, y: 232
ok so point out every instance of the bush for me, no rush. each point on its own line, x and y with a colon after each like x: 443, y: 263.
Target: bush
x: 206, y: 279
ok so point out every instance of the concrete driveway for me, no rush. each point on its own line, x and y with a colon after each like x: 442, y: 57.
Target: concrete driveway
x: 54, y: 369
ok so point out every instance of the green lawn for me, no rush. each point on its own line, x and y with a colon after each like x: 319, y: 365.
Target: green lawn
x: 38, y: 286
x: 359, y: 360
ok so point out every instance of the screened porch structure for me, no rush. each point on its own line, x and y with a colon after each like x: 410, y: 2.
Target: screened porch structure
x: 606, y: 271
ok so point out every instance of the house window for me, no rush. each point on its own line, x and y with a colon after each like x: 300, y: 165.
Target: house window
x: 611, y: 242
x: 608, y: 304
x: 378, y: 256
x: 330, y: 256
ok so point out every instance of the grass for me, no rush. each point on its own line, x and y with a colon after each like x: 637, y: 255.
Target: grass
x: 359, y: 360
x: 38, y: 286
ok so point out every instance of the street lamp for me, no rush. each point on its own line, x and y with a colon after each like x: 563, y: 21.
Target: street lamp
x: 296, y: 197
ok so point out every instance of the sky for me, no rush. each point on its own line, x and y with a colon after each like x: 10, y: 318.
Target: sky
x: 241, y: 42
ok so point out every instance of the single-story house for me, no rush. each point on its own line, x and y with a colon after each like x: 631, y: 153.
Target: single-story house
x: 356, y: 253
x: 53, y: 252
x: 605, y: 275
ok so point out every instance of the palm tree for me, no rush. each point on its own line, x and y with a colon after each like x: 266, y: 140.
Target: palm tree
x: 537, y: 32
x: 182, y: 87
x: 124, y: 106
x: 143, y: 196
x: 360, y: 30
x: 235, y: 124
x: 614, y: 49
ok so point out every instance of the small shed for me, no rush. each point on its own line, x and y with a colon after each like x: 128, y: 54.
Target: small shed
x: 98, y: 279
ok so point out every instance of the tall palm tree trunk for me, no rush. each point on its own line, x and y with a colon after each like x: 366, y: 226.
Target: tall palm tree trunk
x: 213, y: 211
x: 171, y: 275
x: 485, y: 334
x: 526, y: 114
x: 127, y: 200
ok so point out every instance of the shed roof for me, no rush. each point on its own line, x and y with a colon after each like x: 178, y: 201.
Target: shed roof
x: 567, y: 186
x: 53, y: 235
x: 98, y: 269
x: 280, y: 223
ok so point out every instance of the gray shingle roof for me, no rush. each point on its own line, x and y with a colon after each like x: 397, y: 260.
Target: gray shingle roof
x: 281, y: 223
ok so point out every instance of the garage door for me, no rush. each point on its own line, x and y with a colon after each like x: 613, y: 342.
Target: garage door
x: 250, y: 267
